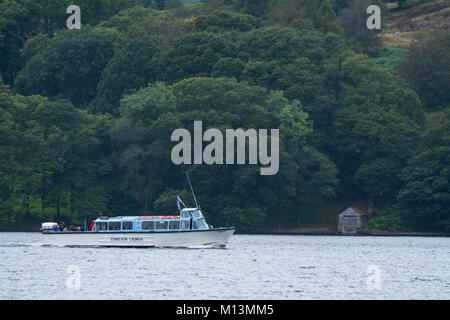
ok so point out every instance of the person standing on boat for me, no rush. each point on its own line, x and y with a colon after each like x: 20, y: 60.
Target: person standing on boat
x: 91, y: 227
x: 62, y: 226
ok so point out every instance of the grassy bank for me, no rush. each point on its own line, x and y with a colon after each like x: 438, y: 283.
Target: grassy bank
x: 421, y: 16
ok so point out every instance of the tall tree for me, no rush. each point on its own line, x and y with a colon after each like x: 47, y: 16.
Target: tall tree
x: 354, y: 20
x: 132, y: 67
x: 70, y: 66
x: 375, y: 130
x: 424, y: 200
x: 427, y: 68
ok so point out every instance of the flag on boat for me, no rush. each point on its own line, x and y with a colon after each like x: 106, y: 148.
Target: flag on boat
x: 178, y: 203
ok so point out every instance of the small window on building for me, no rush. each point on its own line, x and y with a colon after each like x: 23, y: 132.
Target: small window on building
x: 174, y: 225
x: 148, y: 225
x: 114, y: 226
x: 161, y: 225
x: 127, y: 225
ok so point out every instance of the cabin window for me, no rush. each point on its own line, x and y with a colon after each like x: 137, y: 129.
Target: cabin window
x: 184, y: 214
x: 114, y: 226
x: 174, y: 225
x: 127, y: 225
x: 202, y: 224
x: 161, y: 225
x: 197, y: 214
x: 185, y: 224
x: 194, y: 225
x: 148, y: 225
x: 101, y: 226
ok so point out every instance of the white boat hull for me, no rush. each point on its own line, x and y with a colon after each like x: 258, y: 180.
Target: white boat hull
x: 193, y: 238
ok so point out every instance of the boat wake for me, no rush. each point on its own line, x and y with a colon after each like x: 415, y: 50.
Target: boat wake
x: 20, y: 245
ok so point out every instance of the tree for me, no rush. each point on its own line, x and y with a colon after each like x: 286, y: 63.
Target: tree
x: 427, y: 69
x: 288, y: 10
x: 70, y: 66
x: 325, y: 18
x: 19, y: 20
x: 219, y: 21
x: 256, y: 8
x: 375, y: 130
x: 163, y: 27
x: 194, y: 55
x: 225, y: 103
x: 140, y: 143
x: 354, y: 20
x: 166, y: 204
x: 424, y: 200
x: 320, y: 12
x: 126, y: 18
x: 302, y: 62
x: 132, y: 67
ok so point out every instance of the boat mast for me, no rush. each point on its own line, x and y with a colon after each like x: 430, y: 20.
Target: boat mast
x: 189, y: 180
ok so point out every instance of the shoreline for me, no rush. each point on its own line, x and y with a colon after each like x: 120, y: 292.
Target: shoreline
x: 320, y: 231
x: 331, y: 231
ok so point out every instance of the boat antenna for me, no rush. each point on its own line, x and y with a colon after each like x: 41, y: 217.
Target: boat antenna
x: 189, y: 180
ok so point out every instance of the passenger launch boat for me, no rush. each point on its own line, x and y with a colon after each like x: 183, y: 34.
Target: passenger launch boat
x: 189, y: 229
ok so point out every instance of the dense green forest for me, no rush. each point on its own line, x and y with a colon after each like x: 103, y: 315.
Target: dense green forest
x: 86, y: 115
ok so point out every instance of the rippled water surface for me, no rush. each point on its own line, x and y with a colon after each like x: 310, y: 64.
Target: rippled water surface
x: 251, y: 267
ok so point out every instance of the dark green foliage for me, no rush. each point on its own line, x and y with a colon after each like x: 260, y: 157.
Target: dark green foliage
x: 194, y: 55
x: 424, y: 200
x: 388, y: 220
x: 60, y: 162
x: 154, y: 112
x: 132, y: 67
x: 390, y: 58
x: 256, y: 8
x: 427, y: 69
x: 354, y: 20
x: 228, y: 67
x: 86, y: 126
x: 18, y: 21
x: 128, y: 17
x: 225, y: 21
x: 320, y: 12
x: 375, y: 129
x: 23, y: 19
x: 70, y: 66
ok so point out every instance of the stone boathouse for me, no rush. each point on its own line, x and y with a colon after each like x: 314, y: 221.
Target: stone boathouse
x: 351, y: 221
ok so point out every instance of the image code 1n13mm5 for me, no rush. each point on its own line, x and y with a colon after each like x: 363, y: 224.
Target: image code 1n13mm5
x: 244, y: 309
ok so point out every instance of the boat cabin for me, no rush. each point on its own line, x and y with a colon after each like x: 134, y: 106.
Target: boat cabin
x: 189, y: 219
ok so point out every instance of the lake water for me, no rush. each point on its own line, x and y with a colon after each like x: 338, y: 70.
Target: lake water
x: 251, y: 267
